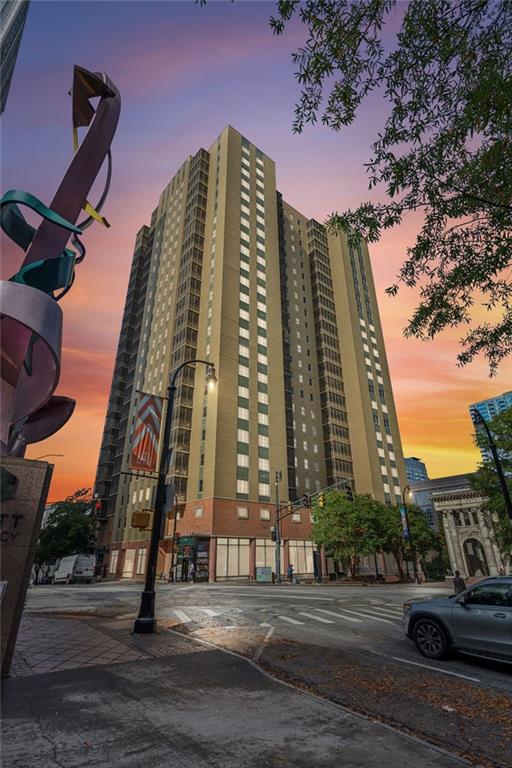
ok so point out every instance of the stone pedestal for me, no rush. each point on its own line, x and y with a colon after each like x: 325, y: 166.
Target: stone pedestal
x: 25, y: 486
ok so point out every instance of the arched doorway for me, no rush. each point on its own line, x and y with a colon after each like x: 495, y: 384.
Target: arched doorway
x: 475, y: 558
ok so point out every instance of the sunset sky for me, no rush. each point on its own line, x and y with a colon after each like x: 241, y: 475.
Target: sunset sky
x: 184, y: 72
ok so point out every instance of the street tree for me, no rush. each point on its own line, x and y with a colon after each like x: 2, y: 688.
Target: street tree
x: 70, y: 529
x: 347, y: 529
x: 486, y: 482
x: 444, y: 150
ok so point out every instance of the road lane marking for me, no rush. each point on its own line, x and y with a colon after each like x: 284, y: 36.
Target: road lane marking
x: 276, y: 594
x: 289, y: 620
x: 437, y: 669
x: 209, y: 612
x: 182, y: 616
x: 316, y: 618
x: 264, y: 624
x: 368, y: 616
x: 262, y: 646
x: 339, y: 615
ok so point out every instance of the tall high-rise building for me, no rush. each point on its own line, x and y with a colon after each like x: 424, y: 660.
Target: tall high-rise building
x: 228, y: 271
x: 13, y: 14
x: 415, y: 469
x: 489, y: 409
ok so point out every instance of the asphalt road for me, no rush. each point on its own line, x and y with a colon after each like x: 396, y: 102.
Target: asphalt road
x: 344, y: 643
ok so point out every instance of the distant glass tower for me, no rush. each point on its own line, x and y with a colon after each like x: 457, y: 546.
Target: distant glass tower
x: 415, y: 469
x: 489, y: 409
x: 13, y: 14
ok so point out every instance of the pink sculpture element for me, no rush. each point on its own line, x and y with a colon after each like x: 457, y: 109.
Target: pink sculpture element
x: 31, y: 320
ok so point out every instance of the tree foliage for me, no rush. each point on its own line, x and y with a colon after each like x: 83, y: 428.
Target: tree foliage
x: 445, y: 148
x: 486, y: 482
x: 349, y: 529
x: 70, y: 529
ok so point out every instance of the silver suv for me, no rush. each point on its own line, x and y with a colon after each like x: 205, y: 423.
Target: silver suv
x: 477, y: 621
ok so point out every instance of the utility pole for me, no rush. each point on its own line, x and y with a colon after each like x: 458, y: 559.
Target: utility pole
x: 279, y: 477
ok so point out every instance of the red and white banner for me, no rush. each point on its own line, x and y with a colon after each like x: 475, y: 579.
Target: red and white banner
x: 146, y: 434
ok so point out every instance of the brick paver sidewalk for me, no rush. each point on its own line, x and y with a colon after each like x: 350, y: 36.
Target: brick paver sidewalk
x: 51, y: 644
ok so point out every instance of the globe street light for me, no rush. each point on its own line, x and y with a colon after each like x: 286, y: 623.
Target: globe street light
x: 145, y: 623
x: 407, y: 532
x: 479, y: 420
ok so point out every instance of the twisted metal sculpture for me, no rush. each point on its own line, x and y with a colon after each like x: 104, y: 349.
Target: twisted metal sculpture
x: 31, y: 318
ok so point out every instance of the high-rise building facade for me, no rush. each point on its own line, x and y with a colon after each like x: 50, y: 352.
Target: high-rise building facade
x: 489, y: 409
x: 415, y: 469
x: 288, y: 315
x: 13, y: 14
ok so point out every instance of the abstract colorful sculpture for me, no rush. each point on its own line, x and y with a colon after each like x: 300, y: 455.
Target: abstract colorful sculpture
x: 31, y: 319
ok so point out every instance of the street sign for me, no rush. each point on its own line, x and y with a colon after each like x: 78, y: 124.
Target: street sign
x: 403, y: 514
x: 264, y: 573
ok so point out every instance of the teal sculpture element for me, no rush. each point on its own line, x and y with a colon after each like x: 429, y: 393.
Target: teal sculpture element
x: 31, y: 319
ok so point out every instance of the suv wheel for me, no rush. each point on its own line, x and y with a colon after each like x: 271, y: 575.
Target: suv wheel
x: 430, y: 639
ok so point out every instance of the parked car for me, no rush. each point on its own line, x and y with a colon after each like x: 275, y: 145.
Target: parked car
x: 477, y: 621
x: 75, y: 568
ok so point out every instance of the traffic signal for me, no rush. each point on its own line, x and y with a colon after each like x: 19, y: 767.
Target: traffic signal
x: 290, y: 506
x: 321, y: 500
x: 306, y: 501
x: 349, y: 492
x: 273, y: 533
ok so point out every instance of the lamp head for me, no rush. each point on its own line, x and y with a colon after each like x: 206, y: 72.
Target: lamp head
x: 211, y: 378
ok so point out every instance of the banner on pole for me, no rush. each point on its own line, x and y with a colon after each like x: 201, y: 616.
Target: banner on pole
x: 403, y: 514
x: 146, y: 434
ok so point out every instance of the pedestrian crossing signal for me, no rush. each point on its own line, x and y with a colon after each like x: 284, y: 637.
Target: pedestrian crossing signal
x: 273, y: 534
x: 306, y: 501
x: 349, y: 492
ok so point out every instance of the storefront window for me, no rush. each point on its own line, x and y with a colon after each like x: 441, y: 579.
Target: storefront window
x: 112, y: 567
x: 140, y: 567
x: 301, y: 555
x: 232, y: 557
x: 266, y: 554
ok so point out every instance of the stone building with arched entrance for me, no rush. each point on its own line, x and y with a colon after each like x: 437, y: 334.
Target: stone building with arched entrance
x: 470, y: 533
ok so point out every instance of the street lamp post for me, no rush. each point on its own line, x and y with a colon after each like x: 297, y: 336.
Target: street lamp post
x: 145, y: 623
x: 479, y: 419
x: 407, y: 530
x: 279, y: 477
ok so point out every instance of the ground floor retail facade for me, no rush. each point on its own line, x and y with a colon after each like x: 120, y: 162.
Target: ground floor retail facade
x: 217, y: 558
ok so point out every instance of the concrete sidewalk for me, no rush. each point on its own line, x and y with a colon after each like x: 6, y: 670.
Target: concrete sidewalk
x: 202, y: 708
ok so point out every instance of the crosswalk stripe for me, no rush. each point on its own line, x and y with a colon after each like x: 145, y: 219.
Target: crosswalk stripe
x: 182, y: 616
x: 339, y: 615
x: 378, y: 612
x: 316, y: 618
x: 369, y: 616
x: 209, y: 612
x: 388, y: 612
x: 289, y: 620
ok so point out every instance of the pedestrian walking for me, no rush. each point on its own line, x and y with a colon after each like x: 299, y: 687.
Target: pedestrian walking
x: 192, y: 572
x: 459, y: 584
x: 289, y: 573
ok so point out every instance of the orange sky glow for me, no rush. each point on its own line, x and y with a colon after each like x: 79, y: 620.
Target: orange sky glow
x: 178, y: 97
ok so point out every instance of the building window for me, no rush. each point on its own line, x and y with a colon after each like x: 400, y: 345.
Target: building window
x: 242, y: 486
x: 296, y: 518
x: 198, y: 512
x: 301, y: 556
x: 242, y: 513
x: 264, y: 514
x: 140, y: 565
x: 242, y: 460
x: 264, y: 489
